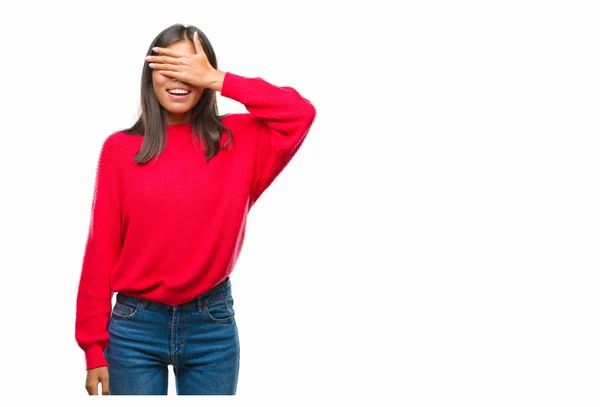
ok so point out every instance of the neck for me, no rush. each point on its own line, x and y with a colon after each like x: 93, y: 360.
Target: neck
x: 174, y: 119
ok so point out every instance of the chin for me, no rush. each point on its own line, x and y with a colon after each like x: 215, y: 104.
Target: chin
x: 178, y: 111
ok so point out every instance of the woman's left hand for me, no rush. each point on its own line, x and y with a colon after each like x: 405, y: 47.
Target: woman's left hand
x: 193, y: 69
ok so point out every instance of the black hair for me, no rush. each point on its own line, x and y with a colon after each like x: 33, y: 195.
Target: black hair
x: 204, y: 117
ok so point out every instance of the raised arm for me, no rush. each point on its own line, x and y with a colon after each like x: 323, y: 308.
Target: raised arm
x: 281, y: 119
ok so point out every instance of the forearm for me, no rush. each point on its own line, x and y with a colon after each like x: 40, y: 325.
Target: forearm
x: 281, y: 109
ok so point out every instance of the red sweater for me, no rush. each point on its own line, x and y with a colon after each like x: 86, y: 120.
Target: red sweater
x: 172, y: 229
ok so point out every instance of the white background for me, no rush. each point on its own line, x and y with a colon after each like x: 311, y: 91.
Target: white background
x: 434, y: 242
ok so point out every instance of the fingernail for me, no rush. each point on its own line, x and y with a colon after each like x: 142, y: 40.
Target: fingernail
x: 148, y: 58
x: 155, y: 49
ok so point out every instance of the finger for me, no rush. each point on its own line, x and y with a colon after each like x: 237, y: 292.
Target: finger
x: 165, y: 67
x: 105, y: 391
x: 173, y: 74
x: 168, y: 52
x: 197, y: 44
x: 161, y: 59
x: 176, y: 76
x: 92, y: 388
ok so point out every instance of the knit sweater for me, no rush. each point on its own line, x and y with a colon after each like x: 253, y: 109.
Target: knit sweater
x: 173, y: 228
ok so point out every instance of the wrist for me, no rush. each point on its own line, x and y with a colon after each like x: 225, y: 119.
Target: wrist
x: 216, y: 80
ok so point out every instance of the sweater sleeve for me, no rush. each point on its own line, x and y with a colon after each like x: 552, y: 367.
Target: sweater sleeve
x: 101, y: 253
x: 281, y: 119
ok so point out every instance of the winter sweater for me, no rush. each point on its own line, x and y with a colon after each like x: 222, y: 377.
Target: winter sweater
x: 173, y: 228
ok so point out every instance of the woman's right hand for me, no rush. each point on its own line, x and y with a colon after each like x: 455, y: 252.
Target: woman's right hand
x: 94, y: 377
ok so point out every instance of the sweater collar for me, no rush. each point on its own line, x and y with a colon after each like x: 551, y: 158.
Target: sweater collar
x: 179, y: 129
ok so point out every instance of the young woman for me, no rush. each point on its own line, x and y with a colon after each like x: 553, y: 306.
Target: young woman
x: 171, y: 198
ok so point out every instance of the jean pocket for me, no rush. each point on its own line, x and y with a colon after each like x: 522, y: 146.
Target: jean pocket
x: 125, y: 308
x: 220, y: 311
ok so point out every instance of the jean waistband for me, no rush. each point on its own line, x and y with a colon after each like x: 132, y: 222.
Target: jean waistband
x: 218, y: 292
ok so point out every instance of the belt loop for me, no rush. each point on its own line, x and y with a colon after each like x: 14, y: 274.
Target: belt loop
x: 142, y: 304
x: 199, y: 302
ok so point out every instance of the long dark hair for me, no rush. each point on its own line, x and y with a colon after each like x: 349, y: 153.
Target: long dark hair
x: 205, y: 119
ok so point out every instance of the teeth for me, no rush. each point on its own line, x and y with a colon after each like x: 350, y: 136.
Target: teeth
x: 179, y: 91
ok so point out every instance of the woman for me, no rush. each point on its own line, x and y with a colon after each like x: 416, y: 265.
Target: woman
x: 171, y: 198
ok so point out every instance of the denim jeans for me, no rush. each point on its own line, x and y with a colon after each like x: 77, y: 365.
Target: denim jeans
x: 199, y: 339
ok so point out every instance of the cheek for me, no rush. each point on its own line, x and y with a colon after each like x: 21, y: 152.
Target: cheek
x: 158, y: 81
x: 197, y: 96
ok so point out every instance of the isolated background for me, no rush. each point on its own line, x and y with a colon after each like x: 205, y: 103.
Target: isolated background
x: 434, y: 242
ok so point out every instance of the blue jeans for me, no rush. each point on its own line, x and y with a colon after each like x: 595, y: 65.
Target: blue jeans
x: 199, y: 339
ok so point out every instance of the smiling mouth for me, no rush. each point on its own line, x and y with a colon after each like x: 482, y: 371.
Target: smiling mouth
x: 179, y: 92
